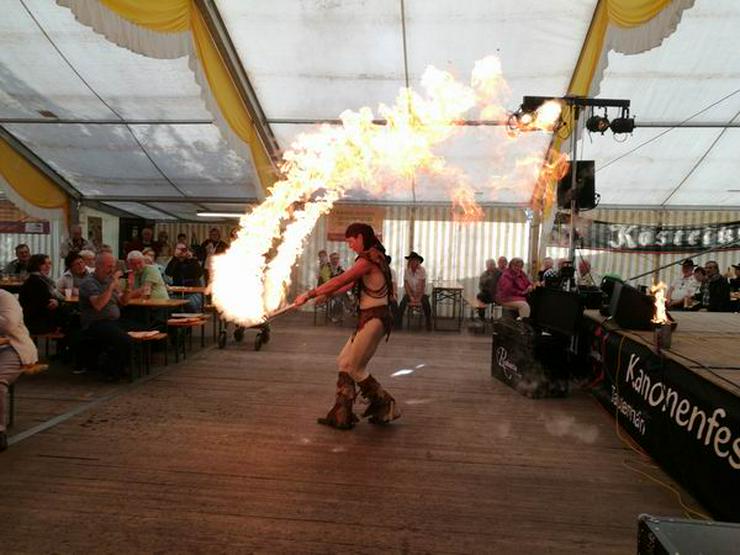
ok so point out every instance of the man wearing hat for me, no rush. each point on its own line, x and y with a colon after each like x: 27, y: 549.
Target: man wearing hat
x: 414, y: 286
x: 685, y: 286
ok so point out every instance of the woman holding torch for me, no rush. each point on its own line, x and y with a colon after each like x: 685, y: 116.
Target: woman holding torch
x: 370, y: 277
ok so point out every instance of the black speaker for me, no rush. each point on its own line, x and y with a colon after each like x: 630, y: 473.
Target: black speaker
x: 585, y: 195
x: 631, y: 309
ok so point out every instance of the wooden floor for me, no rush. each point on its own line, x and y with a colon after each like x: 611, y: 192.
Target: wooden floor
x: 222, y: 454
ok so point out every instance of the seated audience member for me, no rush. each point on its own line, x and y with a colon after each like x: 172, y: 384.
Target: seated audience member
x: 42, y: 303
x: 146, y: 239
x: 324, y: 273
x: 185, y: 270
x: 76, y: 272
x: 585, y: 279
x: 165, y: 248
x: 234, y: 234
x: 683, y: 288
x: 513, y: 288
x: 210, y: 247
x: 147, y: 281
x: 20, y: 352
x: 120, y: 264
x: 100, y: 314
x: 502, y: 264
x: 89, y: 258
x: 487, y: 285
x: 338, y: 300
x: 735, y: 282
x: 151, y: 260
x: 547, y: 264
x: 714, y: 294
x: 19, y: 266
x: 75, y: 243
x: 414, y: 286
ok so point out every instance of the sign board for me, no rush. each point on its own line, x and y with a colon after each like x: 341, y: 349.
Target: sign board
x: 38, y: 227
x: 342, y: 216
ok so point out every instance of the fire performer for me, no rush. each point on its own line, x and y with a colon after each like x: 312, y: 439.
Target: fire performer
x: 370, y: 276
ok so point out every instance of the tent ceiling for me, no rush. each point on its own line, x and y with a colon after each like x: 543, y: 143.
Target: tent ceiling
x: 692, y: 70
x: 313, y: 60
x: 309, y: 60
x: 54, y: 68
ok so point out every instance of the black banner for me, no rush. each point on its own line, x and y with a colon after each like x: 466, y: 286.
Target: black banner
x: 688, y: 424
x: 654, y: 238
x: 595, y: 234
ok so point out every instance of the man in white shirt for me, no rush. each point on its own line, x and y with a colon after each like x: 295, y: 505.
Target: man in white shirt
x: 414, y: 285
x: 683, y: 287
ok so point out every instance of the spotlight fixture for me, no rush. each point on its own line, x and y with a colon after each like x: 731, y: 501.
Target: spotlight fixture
x: 623, y: 124
x: 597, y: 124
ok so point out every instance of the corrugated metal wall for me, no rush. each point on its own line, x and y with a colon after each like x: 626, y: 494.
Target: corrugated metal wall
x: 631, y: 264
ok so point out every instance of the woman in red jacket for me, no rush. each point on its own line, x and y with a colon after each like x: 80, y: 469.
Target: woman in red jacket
x: 513, y: 288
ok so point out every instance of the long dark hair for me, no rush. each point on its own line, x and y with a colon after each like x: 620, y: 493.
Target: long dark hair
x: 369, y: 239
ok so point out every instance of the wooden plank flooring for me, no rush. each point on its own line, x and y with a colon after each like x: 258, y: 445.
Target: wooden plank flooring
x: 222, y: 454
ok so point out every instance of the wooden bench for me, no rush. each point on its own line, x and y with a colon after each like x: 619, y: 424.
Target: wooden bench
x: 180, y: 325
x: 28, y: 370
x: 50, y: 336
x: 142, y: 351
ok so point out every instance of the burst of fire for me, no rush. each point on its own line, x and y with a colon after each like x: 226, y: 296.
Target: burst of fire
x: 252, y: 277
x: 660, y: 316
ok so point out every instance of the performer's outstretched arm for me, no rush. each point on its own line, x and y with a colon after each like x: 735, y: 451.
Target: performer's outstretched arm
x: 358, y: 269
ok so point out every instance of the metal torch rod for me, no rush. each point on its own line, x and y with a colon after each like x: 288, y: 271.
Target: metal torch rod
x: 279, y: 312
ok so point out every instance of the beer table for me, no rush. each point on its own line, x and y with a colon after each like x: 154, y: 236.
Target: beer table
x: 447, y: 295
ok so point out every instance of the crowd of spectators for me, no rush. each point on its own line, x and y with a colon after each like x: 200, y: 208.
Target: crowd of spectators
x: 87, y: 306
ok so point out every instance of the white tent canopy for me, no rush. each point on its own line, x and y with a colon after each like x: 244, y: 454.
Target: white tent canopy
x: 137, y: 133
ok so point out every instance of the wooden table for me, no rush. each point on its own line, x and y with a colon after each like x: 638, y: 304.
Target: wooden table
x: 447, y: 294
x: 11, y: 285
x: 185, y: 289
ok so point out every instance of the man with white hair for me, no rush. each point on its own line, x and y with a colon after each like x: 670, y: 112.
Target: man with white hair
x: 147, y: 280
x: 89, y: 257
x: 101, y: 296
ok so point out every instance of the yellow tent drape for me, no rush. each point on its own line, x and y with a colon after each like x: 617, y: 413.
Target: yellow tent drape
x: 168, y: 16
x: 625, y: 13
x: 28, y: 182
x: 163, y: 16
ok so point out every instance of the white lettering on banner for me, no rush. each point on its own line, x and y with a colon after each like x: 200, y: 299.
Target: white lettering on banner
x: 646, y: 237
x: 693, y: 238
x: 706, y: 238
x: 509, y: 368
x: 635, y: 416
x: 662, y: 238
x: 678, y: 237
x: 623, y: 239
x: 706, y: 430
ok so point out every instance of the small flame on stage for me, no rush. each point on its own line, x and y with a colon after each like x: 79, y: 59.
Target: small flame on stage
x: 660, y: 316
x: 252, y: 278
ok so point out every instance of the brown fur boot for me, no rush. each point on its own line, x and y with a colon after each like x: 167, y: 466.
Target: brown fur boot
x: 382, y: 408
x: 341, y: 416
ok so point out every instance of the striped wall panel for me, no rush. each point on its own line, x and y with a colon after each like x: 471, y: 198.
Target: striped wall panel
x: 197, y: 230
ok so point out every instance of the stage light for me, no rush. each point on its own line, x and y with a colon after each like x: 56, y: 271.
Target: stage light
x: 597, y: 124
x: 623, y: 125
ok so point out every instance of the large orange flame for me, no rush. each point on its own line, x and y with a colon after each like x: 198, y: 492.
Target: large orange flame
x: 251, y: 279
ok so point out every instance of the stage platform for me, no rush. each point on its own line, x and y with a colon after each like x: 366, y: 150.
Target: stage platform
x: 221, y: 453
x: 682, y: 404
